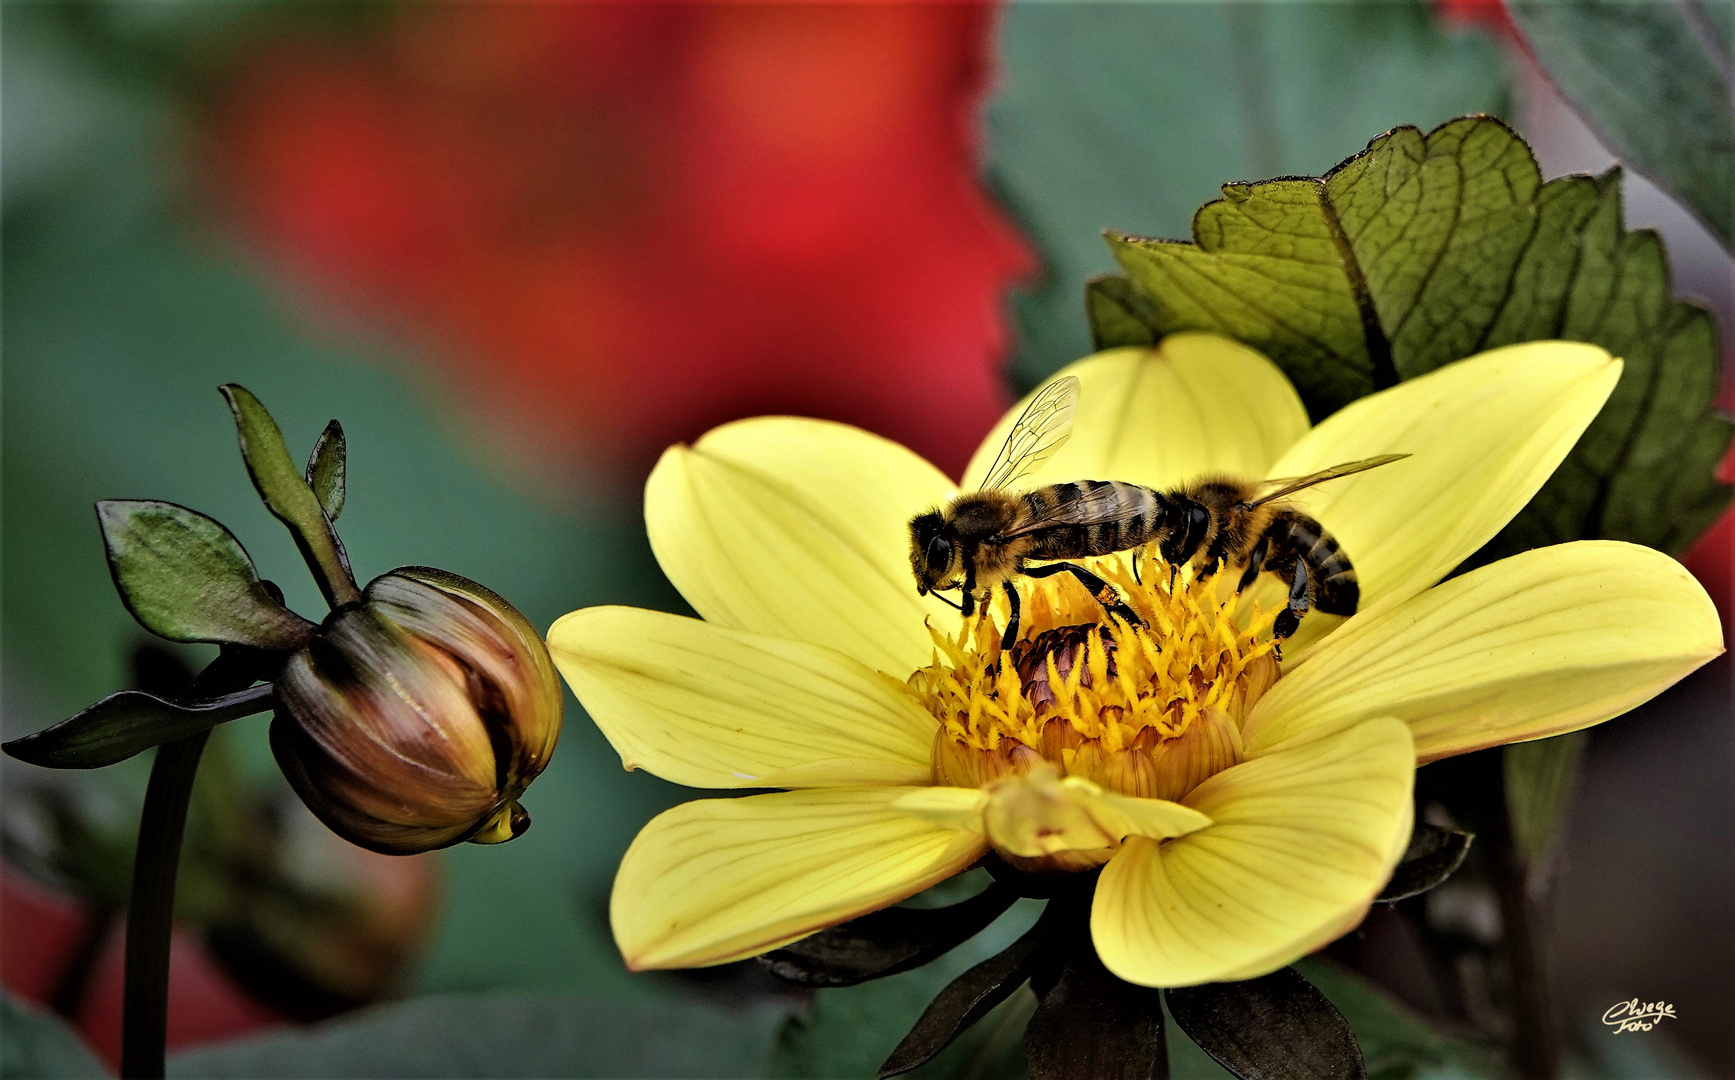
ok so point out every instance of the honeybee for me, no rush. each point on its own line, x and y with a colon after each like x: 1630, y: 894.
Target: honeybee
x: 985, y: 538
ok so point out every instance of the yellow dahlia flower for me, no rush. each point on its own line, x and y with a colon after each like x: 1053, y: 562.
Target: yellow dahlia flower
x: 1244, y: 809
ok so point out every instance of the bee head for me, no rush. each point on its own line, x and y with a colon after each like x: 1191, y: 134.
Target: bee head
x: 931, y: 551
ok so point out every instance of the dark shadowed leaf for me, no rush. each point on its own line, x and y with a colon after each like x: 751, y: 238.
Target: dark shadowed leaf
x: 1276, y: 1027
x: 1424, y: 250
x: 1651, y: 76
x: 966, y: 1000
x: 1118, y: 314
x: 1432, y: 857
x: 287, y: 495
x: 1091, y: 1023
x: 1538, y: 777
x: 123, y: 724
x: 325, y: 469
x: 886, y: 942
x: 506, y: 1036
x: 186, y: 578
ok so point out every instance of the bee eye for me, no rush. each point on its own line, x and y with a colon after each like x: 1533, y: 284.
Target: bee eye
x: 939, y: 552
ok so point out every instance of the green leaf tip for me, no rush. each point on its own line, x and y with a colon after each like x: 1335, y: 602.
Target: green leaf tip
x: 289, y: 496
x: 325, y: 470
x: 123, y: 724
x: 185, y: 577
x: 1425, y: 249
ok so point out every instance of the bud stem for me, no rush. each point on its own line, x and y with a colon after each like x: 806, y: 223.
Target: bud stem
x: 150, y: 916
x: 156, y: 861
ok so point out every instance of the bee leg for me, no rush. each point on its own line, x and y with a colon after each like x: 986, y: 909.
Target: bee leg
x: 1255, y: 563
x: 1138, y: 560
x: 1010, y: 638
x: 1289, y: 619
x: 1104, y: 592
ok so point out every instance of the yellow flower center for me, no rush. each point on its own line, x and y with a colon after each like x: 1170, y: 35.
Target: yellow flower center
x: 1147, y: 711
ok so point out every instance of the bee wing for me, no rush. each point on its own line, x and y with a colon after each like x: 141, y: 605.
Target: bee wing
x: 1093, y: 508
x: 1289, y: 485
x: 1042, y: 428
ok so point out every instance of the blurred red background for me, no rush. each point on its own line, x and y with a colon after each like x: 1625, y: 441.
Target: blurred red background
x: 620, y: 224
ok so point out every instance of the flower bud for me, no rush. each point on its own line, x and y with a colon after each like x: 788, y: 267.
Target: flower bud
x: 416, y: 718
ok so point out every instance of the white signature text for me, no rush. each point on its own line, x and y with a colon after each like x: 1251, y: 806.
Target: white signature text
x: 1636, y: 1015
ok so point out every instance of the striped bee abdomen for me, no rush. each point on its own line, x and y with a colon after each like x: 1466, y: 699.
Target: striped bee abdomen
x: 1295, y: 536
x: 1106, y: 516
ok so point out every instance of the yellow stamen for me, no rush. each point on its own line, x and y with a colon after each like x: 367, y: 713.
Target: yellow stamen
x: 1148, y: 711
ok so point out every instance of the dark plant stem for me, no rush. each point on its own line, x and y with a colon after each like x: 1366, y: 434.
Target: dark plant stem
x: 1535, y: 1042
x: 150, y: 917
x: 156, y: 865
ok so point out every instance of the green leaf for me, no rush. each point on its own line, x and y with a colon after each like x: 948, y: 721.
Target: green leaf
x: 506, y: 1036
x: 123, y: 724
x: 40, y: 1045
x: 1650, y: 77
x: 1434, y: 854
x: 1396, y: 1044
x: 288, y: 496
x: 1131, y: 115
x: 1424, y: 250
x: 325, y: 470
x: 1538, y: 777
x: 186, y: 578
x: 1275, y: 1027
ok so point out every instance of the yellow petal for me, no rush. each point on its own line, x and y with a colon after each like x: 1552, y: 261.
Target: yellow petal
x: 1552, y: 640
x: 1041, y: 813
x: 946, y: 807
x: 1302, y: 839
x: 709, y: 707
x: 723, y: 879
x: 1330, y: 932
x: 800, y: 529
x: 1196, y: 403
x: 1484, y: 434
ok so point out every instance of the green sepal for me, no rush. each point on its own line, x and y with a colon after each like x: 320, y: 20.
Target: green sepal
x: 287, y: 494
x: 123, y: 724
x: 325, y: 470
x: 1423, y: 250
x: 185, y: 577
x: 1275, y: 1027
x: 967, y: 999
x: 1434, y: 854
